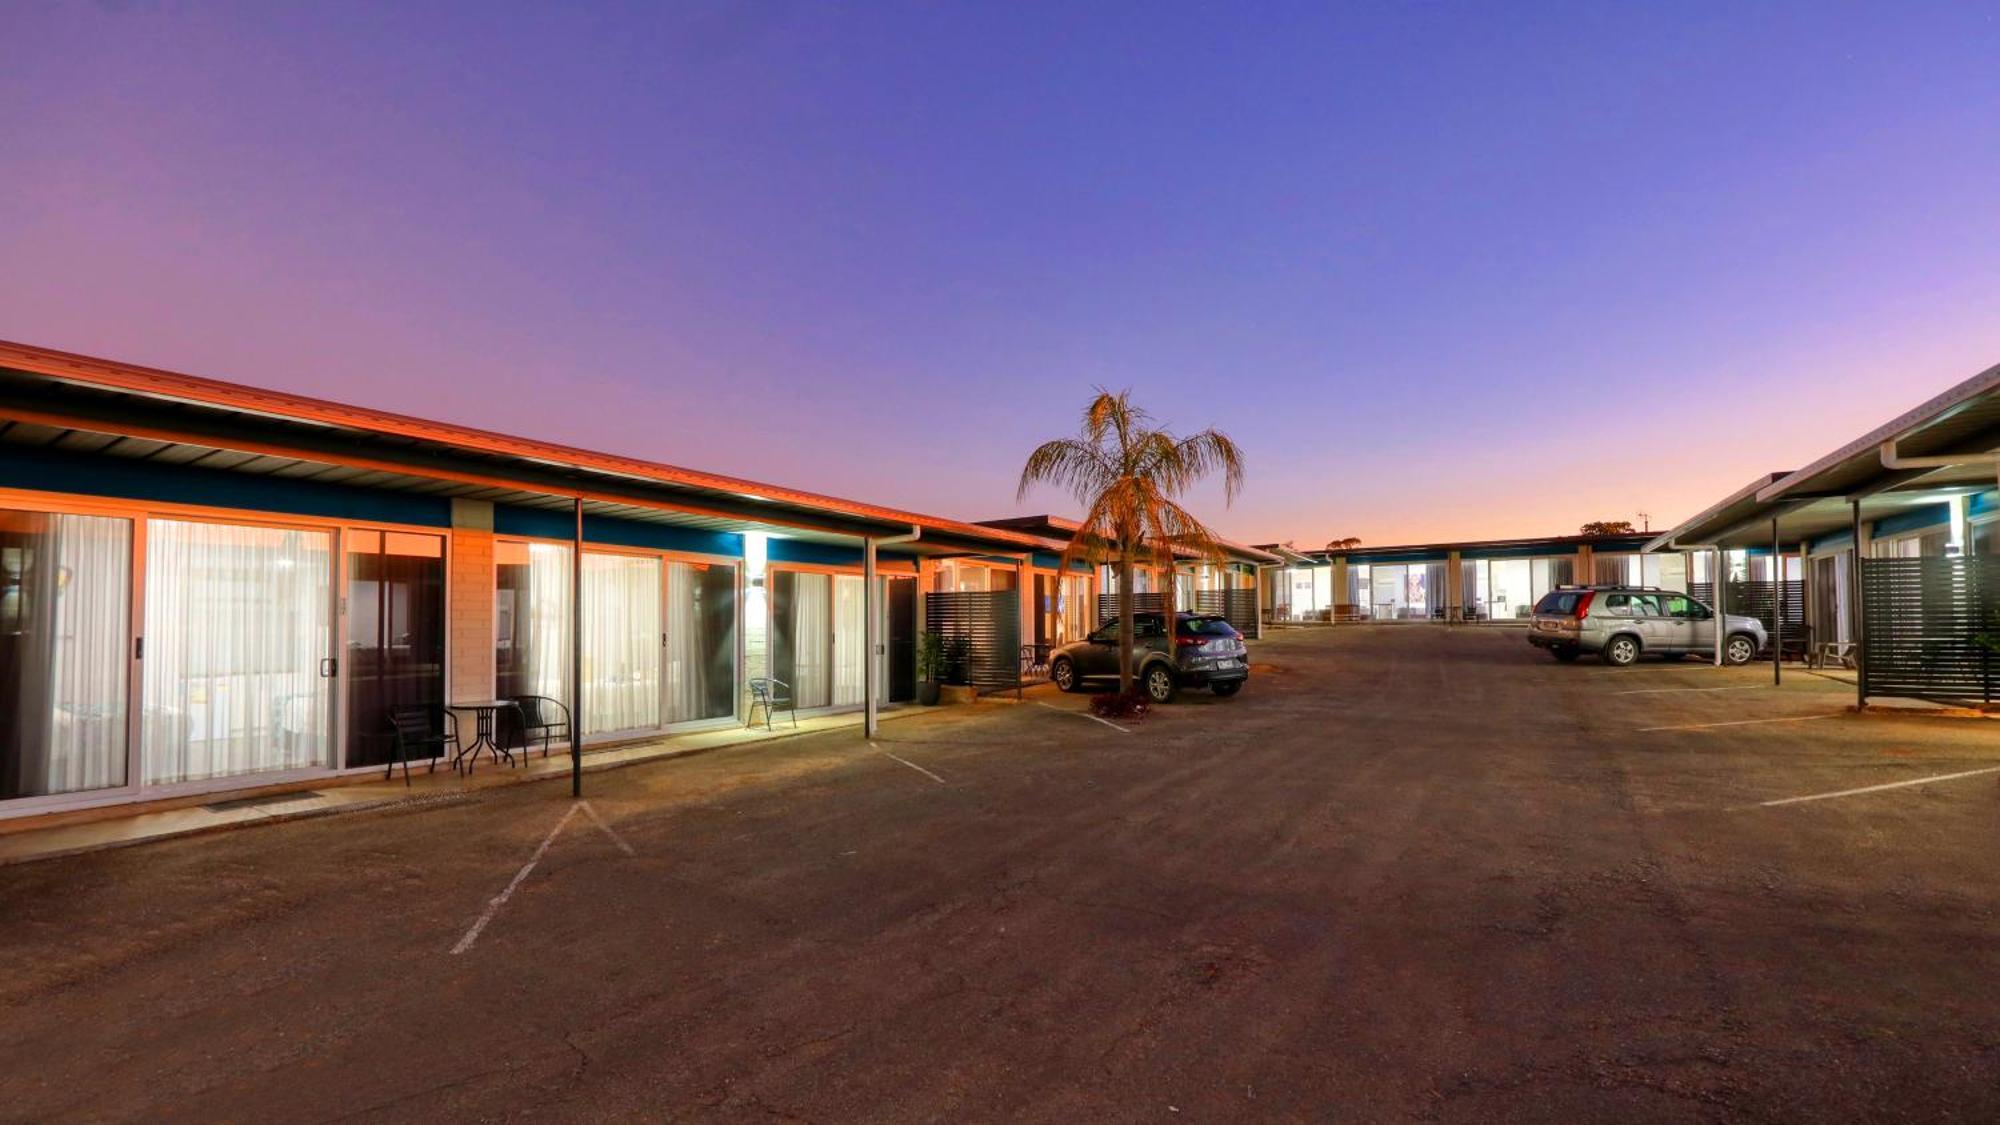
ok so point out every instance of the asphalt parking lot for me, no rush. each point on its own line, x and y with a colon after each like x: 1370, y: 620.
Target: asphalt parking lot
x: 1409, y: 873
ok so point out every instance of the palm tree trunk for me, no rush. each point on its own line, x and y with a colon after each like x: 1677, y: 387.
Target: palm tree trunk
x: 1125, y: 629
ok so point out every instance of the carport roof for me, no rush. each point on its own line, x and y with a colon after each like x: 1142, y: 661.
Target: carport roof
x: 80, y: 404
x: 1815, y: 502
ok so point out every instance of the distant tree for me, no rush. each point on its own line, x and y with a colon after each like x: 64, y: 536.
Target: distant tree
x: 1607, y: 527
x: 1347, y: 544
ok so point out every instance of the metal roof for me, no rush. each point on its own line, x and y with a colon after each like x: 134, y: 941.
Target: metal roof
x: 1062, y: 529
x: 1632, y: 542
x: 1818, y: 501
x: 87, y: 405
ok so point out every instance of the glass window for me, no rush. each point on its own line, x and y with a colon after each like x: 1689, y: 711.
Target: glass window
x: 1561, y: 603
x: 1679, y: 605
x: 1207, y: 627
x: 1985, y: 538
x: 65, y: 630
x: 238, y: 662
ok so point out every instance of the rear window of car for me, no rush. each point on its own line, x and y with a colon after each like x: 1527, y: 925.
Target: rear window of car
x: 1562, y: 602
x: 1207, y: 627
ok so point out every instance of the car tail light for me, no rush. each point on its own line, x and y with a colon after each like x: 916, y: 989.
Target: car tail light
x: 1188, y: 642
x: 1583, y: 605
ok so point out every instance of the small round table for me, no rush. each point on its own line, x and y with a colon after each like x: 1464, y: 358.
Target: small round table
x: 483, y: 712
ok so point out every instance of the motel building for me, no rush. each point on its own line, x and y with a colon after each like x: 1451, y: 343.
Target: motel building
x: 1479, y: 582
x: 1884, y: 554
x: 207, y: 588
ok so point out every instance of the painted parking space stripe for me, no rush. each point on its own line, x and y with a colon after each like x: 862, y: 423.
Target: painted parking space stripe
x: 493, y: 906
x: 1085, y: 715
x: 1744, y: 722
x: 1659, y: 690
x: 1873, y: 788
x: 599, y: 821
x: 908, y: 763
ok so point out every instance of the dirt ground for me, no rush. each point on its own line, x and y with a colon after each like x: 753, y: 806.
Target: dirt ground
x: 1409, y: 873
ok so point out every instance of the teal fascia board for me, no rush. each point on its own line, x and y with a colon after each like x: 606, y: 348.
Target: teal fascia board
x: 124, y: 478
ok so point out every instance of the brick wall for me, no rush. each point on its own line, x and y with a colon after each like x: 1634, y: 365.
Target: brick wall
x: 471, y: 614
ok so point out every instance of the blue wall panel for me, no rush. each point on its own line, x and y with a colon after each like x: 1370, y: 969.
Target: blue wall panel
x: 541, y: 524
x: 127, y: 479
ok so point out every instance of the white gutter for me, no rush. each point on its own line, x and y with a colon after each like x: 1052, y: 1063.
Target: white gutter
x: 870, y: 629
x: 1892, y: 459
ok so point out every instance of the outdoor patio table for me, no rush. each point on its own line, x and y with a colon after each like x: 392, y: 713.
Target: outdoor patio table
x: 483, y: 712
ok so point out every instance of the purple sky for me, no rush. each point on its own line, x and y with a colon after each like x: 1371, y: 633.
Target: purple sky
x: 1444, y: 271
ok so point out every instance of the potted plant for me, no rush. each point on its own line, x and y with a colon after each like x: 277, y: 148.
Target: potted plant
x: 930, y: 666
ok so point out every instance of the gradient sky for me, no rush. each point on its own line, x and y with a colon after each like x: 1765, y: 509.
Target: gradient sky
x: 1444, y: 271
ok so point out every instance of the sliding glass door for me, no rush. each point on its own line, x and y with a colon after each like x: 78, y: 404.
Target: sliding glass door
x: 65, y: 644
x: 238, y: 666
x: 394, y: 651
x: 802, y: 635
x: 701, y: 641
x: 622, y: 642
x: 531, y: 620
x: 850, y: 640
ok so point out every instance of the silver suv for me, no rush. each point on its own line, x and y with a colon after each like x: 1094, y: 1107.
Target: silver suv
x: 1620, y: 622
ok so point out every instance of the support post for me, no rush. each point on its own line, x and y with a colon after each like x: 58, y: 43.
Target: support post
x: 1721, y: 585
x: 1860, y: 620
x: 576, y: 657
x: 870, y: 605
x: 1777, y: 607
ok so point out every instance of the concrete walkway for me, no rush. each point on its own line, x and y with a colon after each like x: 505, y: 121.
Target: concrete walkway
x: 87, y: 830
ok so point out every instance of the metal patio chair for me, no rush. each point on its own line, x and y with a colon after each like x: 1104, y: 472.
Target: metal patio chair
x: 541, y: 718
x: 773, y: 696
x: 418, y: 729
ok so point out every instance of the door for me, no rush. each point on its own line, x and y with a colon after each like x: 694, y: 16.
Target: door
x: 1100, y: 656
x: 1695, y: 627
x: 239, y: 660
x: 394, y: 653
x: 901, y: 638
x: 1666, y: 631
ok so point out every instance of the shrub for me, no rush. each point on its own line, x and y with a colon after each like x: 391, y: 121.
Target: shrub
x: 1111, y: 705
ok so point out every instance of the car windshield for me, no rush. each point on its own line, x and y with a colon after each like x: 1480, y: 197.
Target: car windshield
x: 1207, y: 627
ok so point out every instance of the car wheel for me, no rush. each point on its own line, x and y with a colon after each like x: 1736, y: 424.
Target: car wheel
x: 1227, y: 687
x: 1159, y: 681
x: 1566, y: 655
x: 1740, y: 650
x: 1063, y: 672
x: 1621, y: 651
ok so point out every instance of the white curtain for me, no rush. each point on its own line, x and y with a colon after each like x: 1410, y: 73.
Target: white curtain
x: 850, y: 645
x: 810, y: 625
x: 237, y: 625
x: 621, y: 642
x: 546, y: 661
x: 65, y: 606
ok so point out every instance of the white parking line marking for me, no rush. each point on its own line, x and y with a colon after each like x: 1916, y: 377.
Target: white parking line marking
x: 1658, y: 690
x: 500, y: 899
x: 1877, y: 788
x: 908, y: 763
x: 599, y: 821
x: 1085, y: 715
x: 1745, y: 722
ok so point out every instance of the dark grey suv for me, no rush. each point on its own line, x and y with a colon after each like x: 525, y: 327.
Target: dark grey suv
x: 1205, y: 652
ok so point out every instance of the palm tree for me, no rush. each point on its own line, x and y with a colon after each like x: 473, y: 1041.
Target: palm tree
x: 1129, y: 476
